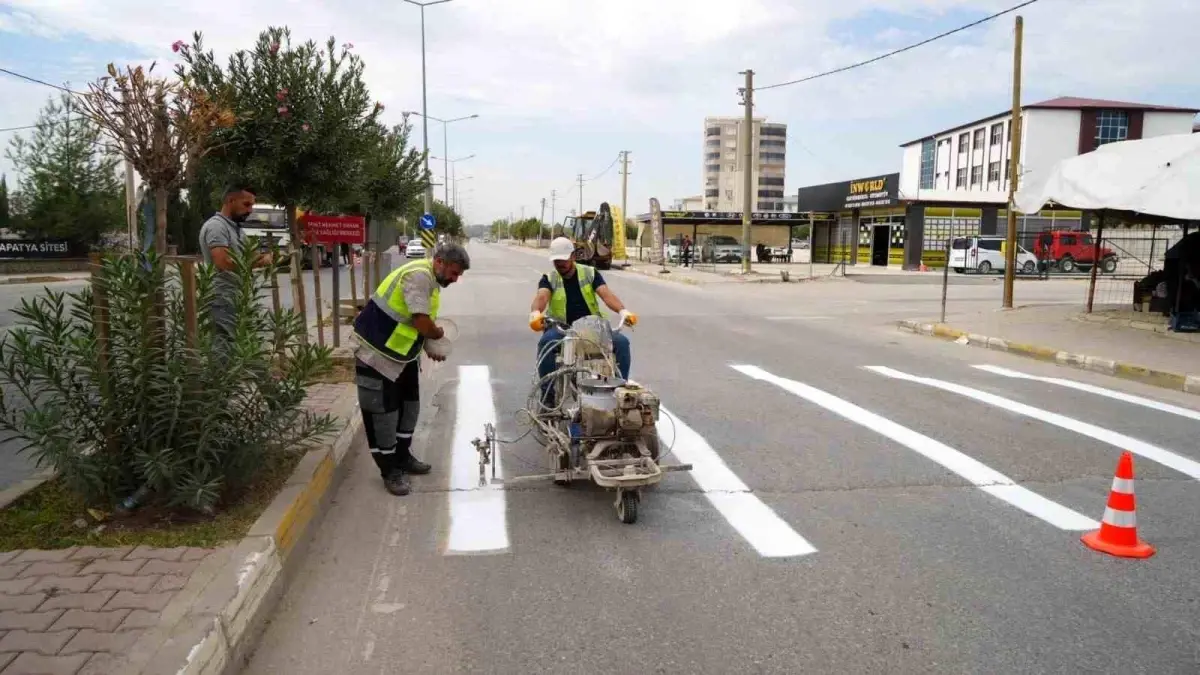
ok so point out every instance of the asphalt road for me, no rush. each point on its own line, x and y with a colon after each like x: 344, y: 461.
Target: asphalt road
x: 923, y: 519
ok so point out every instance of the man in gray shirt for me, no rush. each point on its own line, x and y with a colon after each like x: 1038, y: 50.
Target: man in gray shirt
x: 221, y: 240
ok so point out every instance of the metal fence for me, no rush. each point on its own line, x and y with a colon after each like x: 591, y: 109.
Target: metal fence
x: 1132, y: 268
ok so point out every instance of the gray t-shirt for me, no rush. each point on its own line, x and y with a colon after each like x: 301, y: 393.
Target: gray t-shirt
x: 221, y: 232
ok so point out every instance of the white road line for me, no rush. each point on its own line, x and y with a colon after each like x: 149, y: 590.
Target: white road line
x: 761, y: 527
x: 477, y: 514
x: 1099, y: 391
x: 985, y: 478
x: 798, y: 318
x: 1163, y: 456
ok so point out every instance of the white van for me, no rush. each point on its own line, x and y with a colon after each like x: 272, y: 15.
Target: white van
x: 986, y: 255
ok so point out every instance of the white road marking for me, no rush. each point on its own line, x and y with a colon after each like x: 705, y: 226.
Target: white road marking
x: 985, y: 478
x: 477, y: 514
x: 1152, y: 452
x: 1099, y: 391
x: 761, y: 527
x: 798, y: 318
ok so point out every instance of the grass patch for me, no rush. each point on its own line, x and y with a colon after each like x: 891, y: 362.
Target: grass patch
x: 47, y: 517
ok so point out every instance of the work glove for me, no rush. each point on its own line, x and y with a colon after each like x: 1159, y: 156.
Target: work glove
x: 537, y: 321
x: 628, y: 318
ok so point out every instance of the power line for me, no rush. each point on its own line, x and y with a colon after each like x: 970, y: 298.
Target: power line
x: 37, y: 81
x: 27, y: 126
x: 901, y: 50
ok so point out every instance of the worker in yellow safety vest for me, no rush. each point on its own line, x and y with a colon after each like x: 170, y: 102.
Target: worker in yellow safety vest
x: 569, y: 292
x: 395, y: 326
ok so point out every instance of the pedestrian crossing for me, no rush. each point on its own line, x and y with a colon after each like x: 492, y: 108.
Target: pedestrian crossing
x: 480, y: 518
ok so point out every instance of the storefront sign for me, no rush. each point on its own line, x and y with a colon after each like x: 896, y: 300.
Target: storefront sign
x: 733, y: 216
x: 881, y: 191
x: 38, y: 249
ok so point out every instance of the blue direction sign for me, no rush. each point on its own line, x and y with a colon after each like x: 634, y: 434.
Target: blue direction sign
x: 428, y: 221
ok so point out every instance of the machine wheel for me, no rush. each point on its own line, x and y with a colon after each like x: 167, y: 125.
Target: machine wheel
x: 627, y: 507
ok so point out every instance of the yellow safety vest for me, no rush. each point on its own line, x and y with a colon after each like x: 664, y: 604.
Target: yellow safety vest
x: 558, y: 293
x: 386, y: 324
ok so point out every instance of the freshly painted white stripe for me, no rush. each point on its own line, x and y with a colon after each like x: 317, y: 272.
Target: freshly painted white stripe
x: 1163, y: 456
x: 987, y: 479
x: 761, y: 527
x: 477, y: 514
x: 1120, y: 518
x: 1099, y: 391
x: 1123, y: 485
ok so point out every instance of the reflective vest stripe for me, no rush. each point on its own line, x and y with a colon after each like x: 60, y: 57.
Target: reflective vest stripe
x: 386, y: 325
x: 558, y: 294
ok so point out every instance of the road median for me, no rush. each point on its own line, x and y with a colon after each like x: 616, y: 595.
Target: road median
x: 1189, y: 383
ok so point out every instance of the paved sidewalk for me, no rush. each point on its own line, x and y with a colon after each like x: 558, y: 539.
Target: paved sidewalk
x: 79, y: 610
x: 7, y: 279
x: 1064, y: 335
x: 72, y: 610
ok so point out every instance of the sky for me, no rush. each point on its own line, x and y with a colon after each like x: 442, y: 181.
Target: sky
x: 562, y: 86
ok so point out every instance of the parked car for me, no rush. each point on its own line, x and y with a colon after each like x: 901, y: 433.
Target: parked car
x: 415, y: 249
x: 1072, y: 249
x: 986, y: 254
x: 721, y: 248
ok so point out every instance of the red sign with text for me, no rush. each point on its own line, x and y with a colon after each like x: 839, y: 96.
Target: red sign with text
x: 335, y: 229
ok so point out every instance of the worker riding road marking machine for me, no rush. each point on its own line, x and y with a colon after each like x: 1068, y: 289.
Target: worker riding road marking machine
x: 593, y: 424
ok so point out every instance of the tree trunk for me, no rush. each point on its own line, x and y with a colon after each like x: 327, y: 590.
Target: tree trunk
x: 298, y: 303
x: 160, y: 220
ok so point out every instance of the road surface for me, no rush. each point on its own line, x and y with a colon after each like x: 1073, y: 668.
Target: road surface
x: 864, y: 501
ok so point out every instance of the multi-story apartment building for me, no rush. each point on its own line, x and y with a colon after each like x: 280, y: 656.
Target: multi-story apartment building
x: 970, y: 163
x: 725, y: 159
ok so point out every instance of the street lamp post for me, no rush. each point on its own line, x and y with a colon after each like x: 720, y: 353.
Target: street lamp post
x: 445, y: 140
x: 453, y: 168
x: 424, y: 98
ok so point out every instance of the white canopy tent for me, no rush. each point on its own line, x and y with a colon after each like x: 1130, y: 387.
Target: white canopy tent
x: 1155, y: 176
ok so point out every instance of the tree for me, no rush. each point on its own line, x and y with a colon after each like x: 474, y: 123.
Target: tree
x: 163, y: 128
x: 69, y: 186
x: 448, y: 220
x: 4, y: 213
x: 499, y: 228
x: 304, y: 117
x: 389, y: 176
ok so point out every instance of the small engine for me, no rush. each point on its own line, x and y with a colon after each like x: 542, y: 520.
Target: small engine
x: 610, y: 409
x: 637, y: 408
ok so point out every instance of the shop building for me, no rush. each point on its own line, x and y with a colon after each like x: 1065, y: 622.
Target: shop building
x: 954, y: 183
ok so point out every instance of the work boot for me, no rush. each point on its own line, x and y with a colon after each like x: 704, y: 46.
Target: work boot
x: 410, y: 464
x: 396, y: 484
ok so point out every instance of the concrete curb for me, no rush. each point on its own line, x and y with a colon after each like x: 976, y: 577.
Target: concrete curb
x: 1128, y: 371
x: 19, y: 489
x: 214, y: 623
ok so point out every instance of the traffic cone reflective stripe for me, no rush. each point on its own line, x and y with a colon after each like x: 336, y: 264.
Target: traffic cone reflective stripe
x: 1118, y: 529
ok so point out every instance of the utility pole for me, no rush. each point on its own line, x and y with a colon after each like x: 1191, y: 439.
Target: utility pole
x: 748, y: 168
x: 553, y: 211
x: 541, y: 223
x: 581, y: 194
x: 624, y: 183
x: 1010, y: 245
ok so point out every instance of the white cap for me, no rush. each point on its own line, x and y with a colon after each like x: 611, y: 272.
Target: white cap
x: 561, y: 249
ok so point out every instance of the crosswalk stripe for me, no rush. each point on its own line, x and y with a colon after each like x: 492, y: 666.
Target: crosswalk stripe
x: 477, y: 514
x: 761, y: 527
x: 985, y: 478
x: 1099, y: 391
x: 1152, y: 452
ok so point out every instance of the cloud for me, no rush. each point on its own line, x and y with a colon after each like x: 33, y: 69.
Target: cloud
x: 561, y: 87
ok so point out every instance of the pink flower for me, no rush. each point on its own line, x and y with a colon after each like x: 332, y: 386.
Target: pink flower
x: 305, y: 126
x: 177, y: 45
x: 348, y: 45
x: 283, y: 110
x: 378, y: 106
x: 281, y: 94
x: 274, y: 48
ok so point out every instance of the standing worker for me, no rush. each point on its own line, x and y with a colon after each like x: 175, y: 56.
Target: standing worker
x: 221, y: 242
x: 389, y: 335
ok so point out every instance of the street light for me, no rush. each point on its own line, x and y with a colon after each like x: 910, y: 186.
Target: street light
x: 456, y: 188
x: 453, y: 170
x: 424, y: 99
x: 445, y: 140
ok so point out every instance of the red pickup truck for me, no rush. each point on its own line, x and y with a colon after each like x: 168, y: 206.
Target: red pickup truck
x: 1071, y: 250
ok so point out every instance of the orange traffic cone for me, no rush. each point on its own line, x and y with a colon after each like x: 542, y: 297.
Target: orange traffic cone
x: 1118, y: 529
